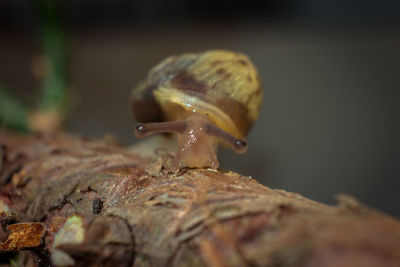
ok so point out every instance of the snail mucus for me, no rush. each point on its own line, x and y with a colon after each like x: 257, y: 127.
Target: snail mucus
x: 205, y: 98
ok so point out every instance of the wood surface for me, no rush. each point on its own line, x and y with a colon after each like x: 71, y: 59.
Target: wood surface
x: 71, y: 201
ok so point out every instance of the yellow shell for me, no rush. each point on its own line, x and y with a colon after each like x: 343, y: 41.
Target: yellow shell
x: 222, y: 85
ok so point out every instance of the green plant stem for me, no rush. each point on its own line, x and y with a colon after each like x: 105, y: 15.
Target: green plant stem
x: 53, y: 91
x: 13, y: 115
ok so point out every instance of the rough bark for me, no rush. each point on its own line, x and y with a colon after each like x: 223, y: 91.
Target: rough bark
x: 100, y: 204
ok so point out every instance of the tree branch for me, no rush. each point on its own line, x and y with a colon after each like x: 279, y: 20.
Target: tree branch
x: 103, y: 204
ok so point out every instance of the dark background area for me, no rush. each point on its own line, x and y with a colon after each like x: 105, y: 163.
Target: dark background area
x: 330, y: 69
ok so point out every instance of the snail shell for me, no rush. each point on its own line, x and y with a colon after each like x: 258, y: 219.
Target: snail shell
x: 221, y: 85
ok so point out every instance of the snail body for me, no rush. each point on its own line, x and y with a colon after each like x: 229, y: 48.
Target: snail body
x: 206, y: 98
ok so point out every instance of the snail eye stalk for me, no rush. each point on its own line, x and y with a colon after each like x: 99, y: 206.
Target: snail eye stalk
x: 144, y: 129
x: 237, y: 144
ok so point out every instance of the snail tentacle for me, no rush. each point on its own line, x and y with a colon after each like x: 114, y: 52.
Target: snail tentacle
x: 144, y: 129
x: 237, y: 144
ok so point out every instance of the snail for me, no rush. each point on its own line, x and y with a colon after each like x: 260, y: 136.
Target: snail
x: 205, y: 98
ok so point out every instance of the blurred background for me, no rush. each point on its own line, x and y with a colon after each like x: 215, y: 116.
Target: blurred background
x: 330, y: 70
